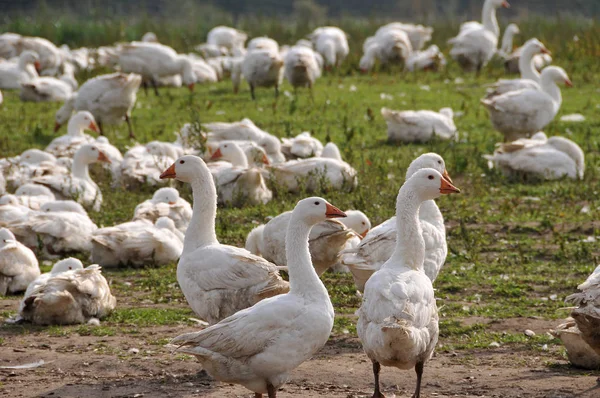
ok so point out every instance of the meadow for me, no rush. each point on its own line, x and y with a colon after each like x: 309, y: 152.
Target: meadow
x: 516, y: 248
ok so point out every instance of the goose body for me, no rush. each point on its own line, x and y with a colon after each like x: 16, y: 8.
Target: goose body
x: 524, y: 112
x: 69, y: 143
x: 419, y: 126
x: 46, y: 89
x: 165, y: 202
x: 258, y: 347
x: 301, y: 146
x: 13, y: 213
x: 430, y: 59
x: 398, y: 318
x: 301, y: 67
x: 545, y: 158
x: 18, y: 265
x: 34, y: 195
x: 579, y: 352
x: 12, y: 75
x: 331, y: 42
x: 418, y: 35
x: 217, y: 280
x: 389, y: 46
x: 262, y: 68
x: 379, y: 243
x: 262, y: 43
x: 59, y: 267
x: 69, y: 298
x: 49, y: 55
x: 142, y: 164
x: 313, y: 172
x: 229, y: 38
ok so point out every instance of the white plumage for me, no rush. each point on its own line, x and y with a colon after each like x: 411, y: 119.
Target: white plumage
x: 18, y: 265
x: 419, y: 126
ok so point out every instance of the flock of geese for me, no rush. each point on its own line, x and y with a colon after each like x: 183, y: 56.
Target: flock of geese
x: 262, y: 326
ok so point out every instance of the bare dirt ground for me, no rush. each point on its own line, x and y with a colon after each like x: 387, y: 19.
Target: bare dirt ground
x: 91, y: 366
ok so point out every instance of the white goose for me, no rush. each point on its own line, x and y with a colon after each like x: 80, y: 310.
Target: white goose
x: 331, y: 42
x: 262, y: 68
x: 301, y: 146
x: 315, y: 173
x: 387, y: 46
x: 398, y: 319
x: 137, y: 243
x: 34, y: 195
x: 217, y: 280
x: 378, y: 245
x: 419, y: 126
x: 258, y: 347
x: 331, y: 151
x: 476, y: 43
x: 62, y: 226
x: 579, y: 352
x: 327, y: 239
x: 13, y: 213
x: 110, y: 98
x: 64, y: 265
x: 506, y: 48
x: 165, y: 202
x: 18, y: 265
x: 153, y: 61
x: 262, y: 43
x: 78, y: 185
x: 238, y: 185
x: 530, y: 77
x: 430, y: 59
x: 142, y: 164
x: 512, y: 58
x: 524, y: 112
x: 540, y: 157
x: 45, y: 89
x: 418, y: 35
x: 224, y: 36
x: 70, y: 297
x: 68, y: 144
x: 301, y: 67
x: 13, y: 75
x: 49, y: 55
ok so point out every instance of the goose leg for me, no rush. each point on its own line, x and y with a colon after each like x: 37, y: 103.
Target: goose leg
x: 271, y: 391
x: 155, y: 86
x: 376, y: 368
x: 419, y: 371
x: 252, y: 92
x: 145, y: 86
x: 257, y: 395
x: 276, y: 90
x: 131, y: 135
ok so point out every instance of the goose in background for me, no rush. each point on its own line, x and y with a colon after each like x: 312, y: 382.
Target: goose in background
x: 418, y: 35
x: 13, y: 75
x: 142, y: 164
x: 262, y: 68
x: 506, y: 47
x: 419, y: 126
x: 13, y: 213
x: 521, y: 113
x: 49, y: 55
x: 165, y: 202
x: 45, y: 89
x: 398, y: 317
x: 389, y: 46
x: 229, y: 38
x: 258, y: 347
x: 217, y: 280
x: 332, y: 43
x: 34, y: 195
x: 18, y: 265
x: 301, y: 146
x: 262, y: 43
x: 301, y: 67
x: 66, y: 145
x: 430, y: 59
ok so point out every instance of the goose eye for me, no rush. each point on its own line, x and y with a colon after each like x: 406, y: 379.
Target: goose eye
x: 93, y: 149
x: 439, y: 162
x: 224, y: 146
x: 363, y: 223
x: 181, y: 161
x: 70, y: 267
x: 316, y: 203
x: 430, y: 177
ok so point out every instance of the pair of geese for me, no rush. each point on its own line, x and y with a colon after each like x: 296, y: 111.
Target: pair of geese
x: 259, y: 346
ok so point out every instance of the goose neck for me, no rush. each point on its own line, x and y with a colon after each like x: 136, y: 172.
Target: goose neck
x: 80, y: 168
x: 201, y: 230
x: 239, y: 158
x: 303, y: 277
x: 551, y: 88
x: 507, y: 42
x: 488, y: 17
x: 527, y: 66
x: 410, y: 246
x: 431, y: 212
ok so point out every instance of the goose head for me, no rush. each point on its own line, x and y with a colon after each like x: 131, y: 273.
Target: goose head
x: 36, y: 156
x: 534, y: 46
x: 315, y: 210
x: 271, y: 144
x: 67, y: 264
x: 331, y: 151
x: 82, y: 120
x: 448, y: 112
x: 166, y: 195
x: 64, y: 206
x: 231, y: 152
x: 358, y: 221
x: 555, y: 74
x: 572, y: 150
x: 33, y: 190
x: 257, y: 155
x: 498, y: 3
x: 165, y: 223
x: 6, y: 238
x: 429, y: 184
x: 186, y: 168
x: 428, y: 160
x: 149, y: 37
x: 512, y: 29
x: 88, y: 154
x: 30, y: 58
x: 9, y: 199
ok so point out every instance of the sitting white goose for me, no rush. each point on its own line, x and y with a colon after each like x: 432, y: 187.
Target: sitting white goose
x: 540, y: 157
x: 301, y: 146
x: 34, y: 195
x: 217, y: 280
x: 530, y: 77
x: 263, y: 68
x: 69, y: 143
x: 70, y: 297
x: 33, y: 162
x: 314, y: 174
x: 327, y: 239
x: 331, y: 151
x: 238, y: 185
x: 398, y: 318
x: 418, y: 35
x: 142, y: 164
x: 579, y: 352
x: 258, y: 347
x: 524, y: 112
x: 18, y: 265
x: 13, y: 75
x: 137, y: 243
x: 59, y: 267
x: 13, y: 213
x: 46, y: 89
x: 78, y: 184
x: 476, y: 43
x: 430, y: 59
x: 165, y: 202
x: 113, y: 154
x: 378, y: 245
x: 419, y: 126
x: 62, y: 226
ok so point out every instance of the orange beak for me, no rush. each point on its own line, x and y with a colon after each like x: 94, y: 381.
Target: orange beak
x: 37, y: 65
x: 265, y: 160
x: 191, y: 87
x: 364, y: 234
x: 364, y: 71
x: 446, y: 175
x: 216, y: 155
x: 505, y: 4
x: 333, y: 212
x: 169, y: 173
x: 57, y: 126
x: 546, y: 51
x: 172, y: 203
x: 94, y: 127
x: 568, y: 83
x: 102, y: 157
x: 447, y: 188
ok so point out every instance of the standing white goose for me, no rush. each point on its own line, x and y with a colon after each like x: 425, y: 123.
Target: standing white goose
x: 68, y: 144
x: 18, y: 265
x: 13, y: 75
x: 301, y: 67
x: 398, y: 319
x: 263, y: 68
x: 230, y: 38
x: 379, y: 243
x: 217, y: 280
x: 78, y: 184
x: 259, y: 346
x: 524, y: 112
x: 331, y: 42
x: 110, y: 98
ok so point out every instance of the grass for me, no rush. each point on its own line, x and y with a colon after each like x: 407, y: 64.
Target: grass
x: 516, y: 250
